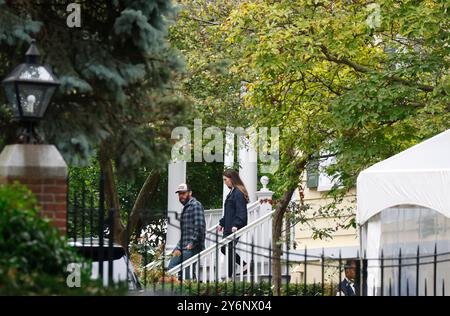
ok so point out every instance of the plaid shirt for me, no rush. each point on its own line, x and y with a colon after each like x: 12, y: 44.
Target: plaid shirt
x: 193, y: 225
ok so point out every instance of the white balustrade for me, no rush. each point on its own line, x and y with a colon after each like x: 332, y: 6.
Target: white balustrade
x: 212, y: 218
x: 253, y: 243
x: 251, y: 236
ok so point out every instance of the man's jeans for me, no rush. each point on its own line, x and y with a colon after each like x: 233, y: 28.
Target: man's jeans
x: 185, y: 255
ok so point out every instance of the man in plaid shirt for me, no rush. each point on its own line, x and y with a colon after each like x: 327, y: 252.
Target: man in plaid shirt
x: 193, y: 228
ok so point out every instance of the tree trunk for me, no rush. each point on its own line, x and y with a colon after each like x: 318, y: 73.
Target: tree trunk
x: 112, y: 196
x: 293, y: 178
x: 121, y: 234
x: 277, y: 225
x: 145, y: 194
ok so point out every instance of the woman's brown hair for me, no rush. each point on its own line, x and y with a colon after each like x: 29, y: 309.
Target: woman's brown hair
x: 236, y: 181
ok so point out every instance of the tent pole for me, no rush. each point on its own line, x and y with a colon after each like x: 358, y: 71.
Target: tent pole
x: 361, y: 264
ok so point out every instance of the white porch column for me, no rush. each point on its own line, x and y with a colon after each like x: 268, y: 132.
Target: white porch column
x: 228, y: 160
x: 248, y: 166
x: 176, y: 175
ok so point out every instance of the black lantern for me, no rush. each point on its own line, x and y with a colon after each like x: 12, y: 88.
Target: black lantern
x: 29, y: 89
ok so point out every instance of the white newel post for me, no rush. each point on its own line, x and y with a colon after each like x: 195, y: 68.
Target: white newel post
x: 248, y: 166
x: 177, y: 175
x: 264, y: 197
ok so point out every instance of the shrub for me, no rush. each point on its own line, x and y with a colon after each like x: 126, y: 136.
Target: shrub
x: 240, y: 289
x: 156, y: 272
x: 33, y: 254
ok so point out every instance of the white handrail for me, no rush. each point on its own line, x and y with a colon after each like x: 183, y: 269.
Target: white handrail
x: 259, y: 230
x: 250, y: 208
x: 213, y: 210
x: 221, y: 243
x: 252, y: 213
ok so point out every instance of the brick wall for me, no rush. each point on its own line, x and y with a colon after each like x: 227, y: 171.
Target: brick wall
x: 51, y: 195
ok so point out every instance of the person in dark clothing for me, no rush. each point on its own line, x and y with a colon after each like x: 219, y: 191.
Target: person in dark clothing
x: 349, y: 286
x: 235, y: 216
x: 193, y: 229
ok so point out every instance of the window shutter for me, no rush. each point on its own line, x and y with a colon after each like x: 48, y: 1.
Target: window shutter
x: 312, y: 174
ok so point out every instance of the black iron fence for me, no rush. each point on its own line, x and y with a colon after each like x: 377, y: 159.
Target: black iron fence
x: 142, y: 264
x: 90, y: 229
x: 303, y: 273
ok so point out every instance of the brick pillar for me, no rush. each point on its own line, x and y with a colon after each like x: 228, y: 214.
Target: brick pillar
x: 43, y: 170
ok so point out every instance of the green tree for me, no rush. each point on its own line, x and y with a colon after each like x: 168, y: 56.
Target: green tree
x: 360, y: 81
x: 369, y: 87
x: 213, y: 91
x: 117, y: 99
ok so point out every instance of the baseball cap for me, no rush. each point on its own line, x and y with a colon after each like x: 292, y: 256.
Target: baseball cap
x: 183, y: 187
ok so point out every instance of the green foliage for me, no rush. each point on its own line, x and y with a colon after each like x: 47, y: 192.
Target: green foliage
x: 116, y: 73
x: 147, y: 254
x: 86, y: 178
x: 13, y: 30
x: 24, y: 235
x: 240, y: 289
x: 33, y: 254
x: 330, y: 80
x: 213, y: 91
x: 206, y: 182
x: 14, y: 283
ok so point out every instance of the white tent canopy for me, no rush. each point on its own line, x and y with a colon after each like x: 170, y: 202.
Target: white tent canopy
x: 404, y: 202
x: 418, y: 176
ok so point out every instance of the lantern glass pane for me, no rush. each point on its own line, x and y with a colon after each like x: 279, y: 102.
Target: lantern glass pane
x: 31, y: 97
x: 35, y: 72
x: 49, y: 91
x: 11, y: 96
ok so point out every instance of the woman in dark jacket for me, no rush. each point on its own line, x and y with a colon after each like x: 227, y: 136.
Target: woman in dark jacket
x: 235, y: 215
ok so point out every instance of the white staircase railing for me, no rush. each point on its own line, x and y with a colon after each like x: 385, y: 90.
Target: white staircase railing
x: 253, y: 242
x: 213, y: 216
x: 253, y: 245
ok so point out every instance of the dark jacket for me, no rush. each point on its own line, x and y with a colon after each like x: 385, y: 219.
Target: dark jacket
x: 193, y: 225
x: 346, y: 289
x: 235, y: 213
